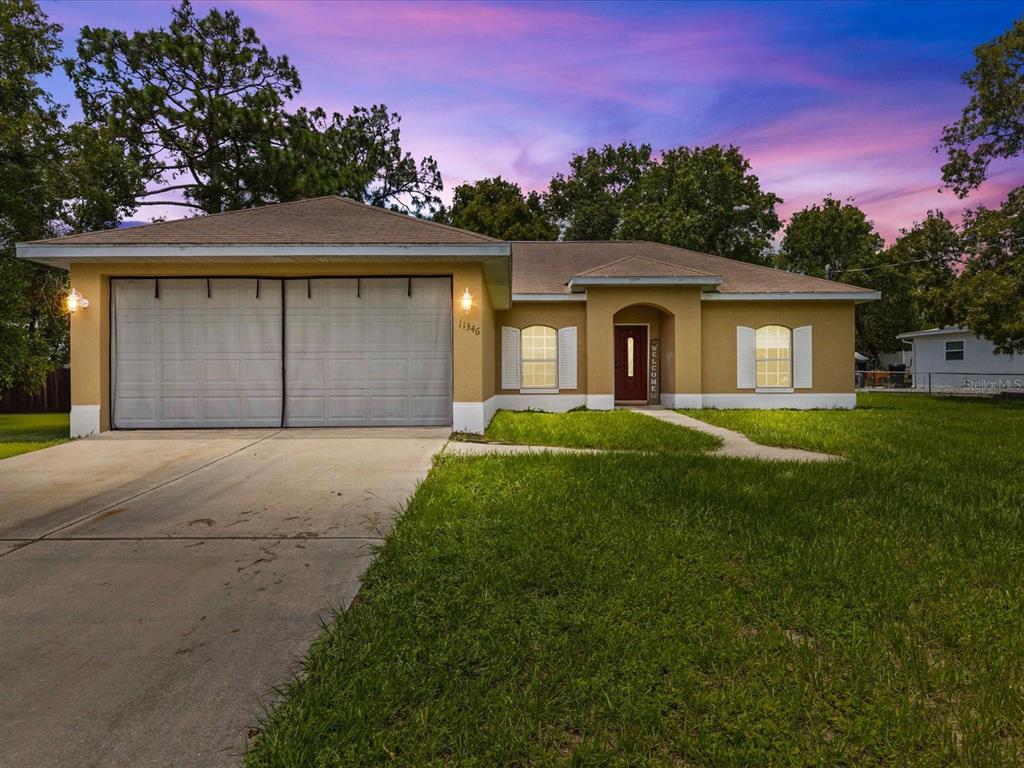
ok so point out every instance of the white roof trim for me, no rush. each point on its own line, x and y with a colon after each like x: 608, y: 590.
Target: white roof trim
x: 549, y: 297
x: 795, y: 296
x: 61, y: 254
x: 947, y: 331
x: 598, y: 280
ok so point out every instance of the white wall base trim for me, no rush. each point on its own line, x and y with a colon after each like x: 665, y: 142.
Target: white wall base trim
x: 672, y: 400
x: 85, y: 420
x: 796, y: 400
x: 600, y: 402
x: 471, y: 417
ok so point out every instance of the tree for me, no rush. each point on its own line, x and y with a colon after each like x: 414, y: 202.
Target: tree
x: 834, y: 235
x: 705, y: 199
x: 358, y: 155
x: 203, y: 102
x: 914, y: 275
x: 498, y: 208
x: 992, y: 123
x: 588, y: 202
x: 988, y: 297
x: 55, y: 180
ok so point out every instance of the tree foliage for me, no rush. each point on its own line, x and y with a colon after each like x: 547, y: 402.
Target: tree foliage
x: 203, y: 102
x: 988, y: 297
x: 705, y: 199
x: 833, y: 234
x: 588, y: 202
x: 498, y: 208
x: 914, y: 275
x: 54, y: 179
x: 992, y: 123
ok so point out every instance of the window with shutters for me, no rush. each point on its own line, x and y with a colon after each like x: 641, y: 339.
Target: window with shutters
x: 774, y: 356
x: 539, y: 357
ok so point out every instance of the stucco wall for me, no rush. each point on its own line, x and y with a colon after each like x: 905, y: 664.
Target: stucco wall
x: 681, y: 354
x: 555, y: 314
x: 472, y: 355
x: 832, y: 335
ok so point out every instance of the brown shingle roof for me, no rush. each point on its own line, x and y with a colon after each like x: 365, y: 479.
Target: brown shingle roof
x: 641, y: 266
x: 546, y: 266
x: 328, y: 220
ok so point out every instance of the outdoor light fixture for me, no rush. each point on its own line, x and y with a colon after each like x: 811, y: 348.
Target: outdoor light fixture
x: 467, y: 301
x: 76, y: 301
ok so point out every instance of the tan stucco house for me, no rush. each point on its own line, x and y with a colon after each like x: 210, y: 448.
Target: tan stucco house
x: 328, y: 312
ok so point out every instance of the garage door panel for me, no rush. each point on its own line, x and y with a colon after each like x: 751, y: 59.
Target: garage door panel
x: 381, y: 348
x: 196, y: 355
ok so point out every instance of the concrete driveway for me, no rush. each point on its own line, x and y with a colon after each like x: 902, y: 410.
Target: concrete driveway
x: 154, y: 586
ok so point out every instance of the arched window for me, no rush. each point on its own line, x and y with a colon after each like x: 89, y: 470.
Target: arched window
x: 539, y: 357
x: 774, y: 356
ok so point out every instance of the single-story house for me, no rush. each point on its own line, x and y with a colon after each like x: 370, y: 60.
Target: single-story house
x: 953, y: 359
x: 328, y: 312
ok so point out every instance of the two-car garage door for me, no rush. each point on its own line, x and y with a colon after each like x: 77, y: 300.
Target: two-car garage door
x: 263, y: 352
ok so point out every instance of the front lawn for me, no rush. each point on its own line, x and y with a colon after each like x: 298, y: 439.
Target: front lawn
x: 24, y: 432
x: 607, y: 430
x: 676, y: 609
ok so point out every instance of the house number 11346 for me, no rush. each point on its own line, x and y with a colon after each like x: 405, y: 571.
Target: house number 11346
x: 469, y: 327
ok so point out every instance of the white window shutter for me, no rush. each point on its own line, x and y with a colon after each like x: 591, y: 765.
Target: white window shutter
x: 802, y: 363
x: 746, y: 366
x: 510, y: 355
x: 567, y: 358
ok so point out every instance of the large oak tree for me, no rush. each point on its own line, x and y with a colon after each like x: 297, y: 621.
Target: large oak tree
x: 499, y: 208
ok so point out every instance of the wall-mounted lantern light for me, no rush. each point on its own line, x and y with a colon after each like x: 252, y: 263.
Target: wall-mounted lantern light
x: 76, y: 301
x: 467, y: 301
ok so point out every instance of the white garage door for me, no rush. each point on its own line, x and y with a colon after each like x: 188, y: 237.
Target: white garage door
x: 210, y: 353
x: 196, y: 353
x: 368, y: 351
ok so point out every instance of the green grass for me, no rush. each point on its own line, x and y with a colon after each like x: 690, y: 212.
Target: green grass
x: 607, y: 430
x: 682, y: 610
x: 24, y: 432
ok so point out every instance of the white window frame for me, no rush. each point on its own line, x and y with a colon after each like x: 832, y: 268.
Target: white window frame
x: 537, y: 390
x: 768, y: 389
x: 963, y: 351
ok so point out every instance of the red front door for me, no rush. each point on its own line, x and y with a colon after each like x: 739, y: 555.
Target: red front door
x: 631, y: 363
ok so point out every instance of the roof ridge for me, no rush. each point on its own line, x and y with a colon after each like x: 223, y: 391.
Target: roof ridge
x: 340, y: 198
x: 431, y: 222
x: 647, y: 259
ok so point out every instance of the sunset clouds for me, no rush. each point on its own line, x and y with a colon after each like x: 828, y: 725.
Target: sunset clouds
x: 842, y: 99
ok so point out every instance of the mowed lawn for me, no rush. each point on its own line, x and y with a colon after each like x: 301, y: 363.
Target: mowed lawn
x: 608, y: 430
x: 682, y: 609
x: 24, y: 432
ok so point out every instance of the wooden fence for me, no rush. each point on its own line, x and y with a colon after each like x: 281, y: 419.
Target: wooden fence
x: 54, y: 397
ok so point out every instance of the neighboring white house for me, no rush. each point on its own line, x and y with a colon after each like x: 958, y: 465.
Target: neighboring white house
x: 954, y: 359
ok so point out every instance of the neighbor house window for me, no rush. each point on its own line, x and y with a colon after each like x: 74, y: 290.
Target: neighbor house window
x: 774, y: 356
x: 954, y: 350
x: 540, y: 357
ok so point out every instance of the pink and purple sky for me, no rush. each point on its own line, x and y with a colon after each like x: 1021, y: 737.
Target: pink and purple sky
x: 847, y: 99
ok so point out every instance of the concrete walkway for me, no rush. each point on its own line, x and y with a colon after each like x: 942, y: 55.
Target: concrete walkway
x: 733, y: 443
x: 154, y: 586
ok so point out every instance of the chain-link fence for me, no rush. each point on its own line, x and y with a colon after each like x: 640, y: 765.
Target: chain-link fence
x: 941, y: 382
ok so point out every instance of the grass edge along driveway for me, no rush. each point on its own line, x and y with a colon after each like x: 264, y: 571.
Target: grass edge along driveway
x: 676, y: 609
x: 25, y: 432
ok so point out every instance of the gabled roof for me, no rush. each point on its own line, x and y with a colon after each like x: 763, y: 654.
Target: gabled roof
x: 331, y: 220
x: 546, y: 267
